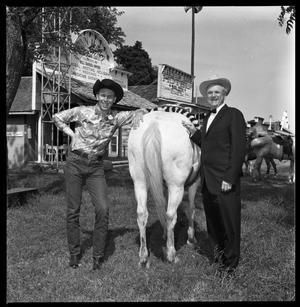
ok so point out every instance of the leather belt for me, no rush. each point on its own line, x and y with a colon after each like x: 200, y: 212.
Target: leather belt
x: 85, y: 155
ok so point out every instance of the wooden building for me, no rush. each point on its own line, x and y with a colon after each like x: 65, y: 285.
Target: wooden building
x: 22, y: 131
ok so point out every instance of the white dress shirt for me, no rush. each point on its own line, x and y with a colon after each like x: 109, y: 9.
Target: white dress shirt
x: 213, y: 115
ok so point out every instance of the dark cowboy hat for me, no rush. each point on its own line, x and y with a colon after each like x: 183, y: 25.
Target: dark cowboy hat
x: 219, y: 81
x: 110, y: 84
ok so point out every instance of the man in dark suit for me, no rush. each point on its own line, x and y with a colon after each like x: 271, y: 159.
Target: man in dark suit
x: 222, y: 139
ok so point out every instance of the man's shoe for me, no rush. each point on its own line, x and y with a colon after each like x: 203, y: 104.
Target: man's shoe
x: 74, y: 261
x: 97, y: 262
x: 226, y: 272
x: 218, y: 255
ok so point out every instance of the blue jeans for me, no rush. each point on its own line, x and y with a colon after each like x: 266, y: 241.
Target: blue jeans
x: 79, y: 171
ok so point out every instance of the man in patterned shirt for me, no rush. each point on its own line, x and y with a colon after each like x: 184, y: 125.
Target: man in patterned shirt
x: 94, y: 128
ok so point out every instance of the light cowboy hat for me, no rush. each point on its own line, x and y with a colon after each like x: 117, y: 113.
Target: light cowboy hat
x: 215, y: 81
x: 110, y: 84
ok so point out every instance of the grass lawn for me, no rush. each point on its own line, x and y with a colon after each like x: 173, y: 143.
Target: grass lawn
x: 37, y: 255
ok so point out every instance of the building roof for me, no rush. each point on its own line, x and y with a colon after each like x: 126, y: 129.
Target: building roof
x: 23, y: 98
x: 130, y: 99
x: 148, y: 92
x: 202, y: 101
x: 259, y: 118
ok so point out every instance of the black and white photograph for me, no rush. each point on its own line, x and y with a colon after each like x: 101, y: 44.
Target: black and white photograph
x: 150, y: 154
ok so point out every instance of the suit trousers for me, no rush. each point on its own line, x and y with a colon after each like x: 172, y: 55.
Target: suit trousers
x: 223, y: 219
x: 79, y: 171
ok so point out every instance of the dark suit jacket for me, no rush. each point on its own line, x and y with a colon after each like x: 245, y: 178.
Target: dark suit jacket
x: 223, y: 148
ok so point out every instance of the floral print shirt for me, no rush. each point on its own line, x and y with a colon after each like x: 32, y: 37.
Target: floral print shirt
x: 93, y: 131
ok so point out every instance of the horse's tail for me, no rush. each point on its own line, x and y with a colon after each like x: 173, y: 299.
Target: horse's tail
x: 153, y: 169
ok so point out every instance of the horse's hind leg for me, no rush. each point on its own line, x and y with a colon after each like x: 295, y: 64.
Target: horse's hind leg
x: 256, y: 169
x: 274, y: 166
x: 174, y: 199
x: 191, y: 211
x: 292, y: 171
x: 142, y: 217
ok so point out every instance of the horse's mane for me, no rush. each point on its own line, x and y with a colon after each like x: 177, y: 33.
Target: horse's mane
x: 178, y: 109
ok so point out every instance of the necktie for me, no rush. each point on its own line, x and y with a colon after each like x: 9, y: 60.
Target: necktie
x: 203, y: 115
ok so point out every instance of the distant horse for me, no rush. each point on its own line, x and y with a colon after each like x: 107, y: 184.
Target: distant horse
x: 250, y: 160
x: 266, y: 147
x: 160, y: 153
x: 251, y: 156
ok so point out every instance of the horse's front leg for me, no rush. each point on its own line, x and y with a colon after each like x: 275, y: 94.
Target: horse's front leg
x: 268, y: 163
x: 256, y: 168
x: 174, y: 199
x: 251, y: 166
x: 246, y: 162
x: 142, y: 217
x: 192, y: 190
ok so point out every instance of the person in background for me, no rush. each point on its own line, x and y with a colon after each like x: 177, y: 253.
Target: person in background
x: 222, y: 139
x: 94, y: 128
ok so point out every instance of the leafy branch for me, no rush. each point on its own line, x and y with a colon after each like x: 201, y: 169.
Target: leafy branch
x: 288, y: 16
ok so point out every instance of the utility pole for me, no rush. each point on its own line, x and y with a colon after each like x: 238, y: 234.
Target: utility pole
x: 193, y: 52
x: 195, y: 10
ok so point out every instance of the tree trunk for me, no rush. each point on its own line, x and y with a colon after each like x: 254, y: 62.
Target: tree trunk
x: 15, y: 55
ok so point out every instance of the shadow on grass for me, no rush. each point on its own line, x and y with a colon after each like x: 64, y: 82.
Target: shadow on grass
x: 54, y: 187
x: 157, y: 245
x: 272, y: 190
x: 269, y: 186
x: 110, y: 247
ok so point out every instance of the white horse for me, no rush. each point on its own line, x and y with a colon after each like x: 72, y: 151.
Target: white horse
x: 160, y: 153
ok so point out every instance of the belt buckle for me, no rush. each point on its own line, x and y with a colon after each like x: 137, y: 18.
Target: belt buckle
x: 80, y: 154
x: 94, y: 158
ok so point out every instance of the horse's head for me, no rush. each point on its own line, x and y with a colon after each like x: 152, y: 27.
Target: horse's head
x: 250, y: 132
x: 249, y: 138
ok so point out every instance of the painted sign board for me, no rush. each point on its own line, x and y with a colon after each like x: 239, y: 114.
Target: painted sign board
x: 174, y: 84
x: 98, y: 63
x: 14, y: 133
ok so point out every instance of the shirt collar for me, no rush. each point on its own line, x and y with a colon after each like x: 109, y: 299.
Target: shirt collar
x: 97, y: 110
x: 220, y: 107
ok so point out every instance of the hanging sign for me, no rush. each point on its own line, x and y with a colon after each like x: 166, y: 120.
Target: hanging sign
x: 174, y: 84
x: 98, y: 63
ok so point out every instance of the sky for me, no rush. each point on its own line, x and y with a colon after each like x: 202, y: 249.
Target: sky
x: 244, y: 44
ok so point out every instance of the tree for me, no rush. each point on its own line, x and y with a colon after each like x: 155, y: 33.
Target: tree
x: 137, y: 61
x: 15, y: 56
x: 102, y: 19
x: 290, y: 11
x: 24, y: 36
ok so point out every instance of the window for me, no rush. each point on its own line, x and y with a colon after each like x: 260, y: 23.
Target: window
x: 113, y: 147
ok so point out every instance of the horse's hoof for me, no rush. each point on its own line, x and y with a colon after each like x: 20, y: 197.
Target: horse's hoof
x: 191, y: 242
x: 176, y: 260
x: 172, y: 259
x: 144, y: 264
